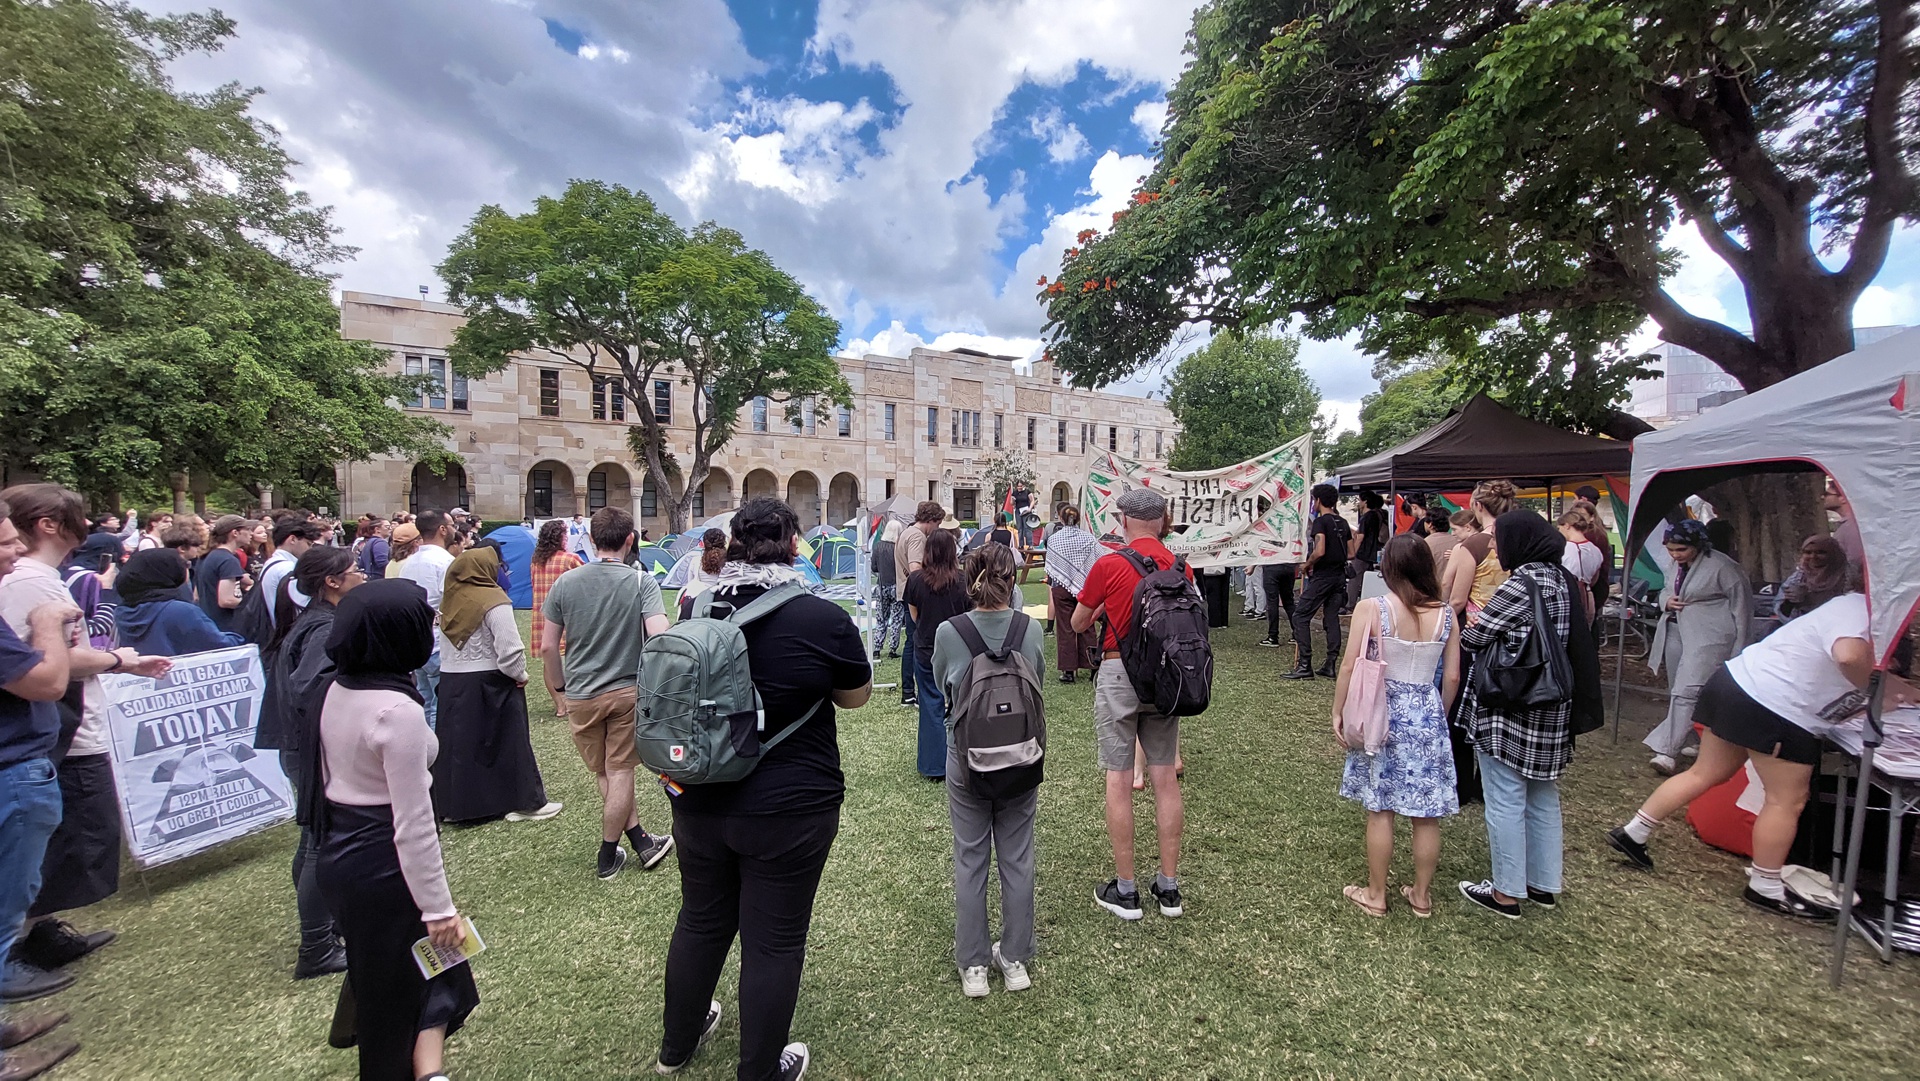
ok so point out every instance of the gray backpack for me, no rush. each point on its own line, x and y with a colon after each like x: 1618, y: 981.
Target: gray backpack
x: 699, y: 719
x: 999, y: 717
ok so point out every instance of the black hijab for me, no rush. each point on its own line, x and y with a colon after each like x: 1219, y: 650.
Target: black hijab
x: 97, y: 549
x: 153, y: 575
x: 382, y: 631
x: 1522, y: 537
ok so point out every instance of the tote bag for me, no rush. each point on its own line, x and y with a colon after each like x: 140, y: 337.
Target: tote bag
x: 1363, y: 714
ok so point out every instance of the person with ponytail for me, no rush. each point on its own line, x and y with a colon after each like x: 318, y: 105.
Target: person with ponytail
x: 298, y: 672
x: 984, y: 828
x: 713, y: 558
x: 1474, y: 570
x: 550, y: 560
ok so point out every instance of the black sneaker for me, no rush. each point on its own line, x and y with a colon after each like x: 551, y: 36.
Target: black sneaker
x: 1124, y: 905
x: 793, y: 1062
x: 1787, y: 906
x: 320, y: 958
x: 1481, y: 893
x: 909, y: 703
x: 1635, y: 852
x: 1542, y: 897
x: 51, y: 944
x: 1270, y: 643
x: 1066, y: 677
x: 1169, y: 900
x: 611, y: 862
x: 651, y: 855
x: 1327, y: 671
x: 662, y: 1066
x: 1303, y: 670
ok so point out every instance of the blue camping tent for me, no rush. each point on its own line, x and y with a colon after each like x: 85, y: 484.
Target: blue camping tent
x: 654, y: 559
x: 516, y: 549
x: 835, y: 556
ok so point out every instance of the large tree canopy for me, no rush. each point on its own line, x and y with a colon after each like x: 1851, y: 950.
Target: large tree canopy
x: 1241, y: 396
x: 601, y: 279
x: 1496, y: 181
x: 160, y: 311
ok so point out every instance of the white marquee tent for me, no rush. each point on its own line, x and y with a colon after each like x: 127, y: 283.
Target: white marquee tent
x: 1855, y: 418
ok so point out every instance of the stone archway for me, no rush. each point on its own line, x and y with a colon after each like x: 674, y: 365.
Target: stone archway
x: 428, y: 490
x: 1062, y: 493
x: 843, y: 498
x: 610, y: 485
x: 550, y: 491
x: 758, y: 483
x: 714, y: 497
x: 803, y: 495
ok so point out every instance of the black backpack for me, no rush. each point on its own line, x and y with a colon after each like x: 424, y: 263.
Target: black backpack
x: 253, y: 620
x: 999, y: 716
x: 1166, y: 652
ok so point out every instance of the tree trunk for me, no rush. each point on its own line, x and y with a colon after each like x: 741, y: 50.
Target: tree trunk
x: 1772, y: 514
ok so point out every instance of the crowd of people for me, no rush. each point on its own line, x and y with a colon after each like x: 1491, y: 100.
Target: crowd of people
x: 396, y: 702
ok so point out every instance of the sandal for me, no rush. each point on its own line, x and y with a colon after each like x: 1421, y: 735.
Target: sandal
x: 1423, y: 913
x: 1357, y: 894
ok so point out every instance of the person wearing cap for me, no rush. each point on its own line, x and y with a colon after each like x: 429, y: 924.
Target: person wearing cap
x: 1120, y: 718
x: 405, y: 542
x: 908, y: 553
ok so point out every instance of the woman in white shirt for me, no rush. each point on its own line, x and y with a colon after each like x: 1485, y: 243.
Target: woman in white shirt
x: 1769, y: 706
x: 1583, y: 558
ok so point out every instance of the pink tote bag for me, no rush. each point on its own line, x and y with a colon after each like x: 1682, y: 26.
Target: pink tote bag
x: 1363, y: 715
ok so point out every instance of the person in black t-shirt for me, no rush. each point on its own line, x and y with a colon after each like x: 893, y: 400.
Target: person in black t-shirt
x: 1371, y: 538
x: 751, y: 851
x: 220, y: 580
x: 1329, y: 544
x: 934, y: 594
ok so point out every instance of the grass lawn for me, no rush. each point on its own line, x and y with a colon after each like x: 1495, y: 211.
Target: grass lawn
x: 1270, y: 974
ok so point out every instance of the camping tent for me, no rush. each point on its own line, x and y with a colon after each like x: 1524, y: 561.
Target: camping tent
x: 1855, y: 418
x: 654, y: 560
x: 683, y: 567
x: 1484, y: 440
x: 835, y: 556
x: 516, y: 551
x: 682, y: 543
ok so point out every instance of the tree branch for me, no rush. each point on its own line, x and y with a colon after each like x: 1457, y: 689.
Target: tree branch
x: 1716, y: 341
x: 1714, y: 233
x: 1731, y: 140
x: 1890, y: 187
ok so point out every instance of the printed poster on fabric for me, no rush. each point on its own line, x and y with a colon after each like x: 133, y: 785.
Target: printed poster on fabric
x: 183, y: 755
x: 1241, y: 516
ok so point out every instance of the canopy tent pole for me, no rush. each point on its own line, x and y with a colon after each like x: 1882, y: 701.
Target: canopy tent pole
x: 1620, y: 657
x: 1871, y: 735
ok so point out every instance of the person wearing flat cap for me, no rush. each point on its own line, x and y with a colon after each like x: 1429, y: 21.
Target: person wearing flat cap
x: 1120, y: 718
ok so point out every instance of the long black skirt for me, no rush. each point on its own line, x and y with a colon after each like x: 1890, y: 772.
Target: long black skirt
x: 372, y: 907
x: 485, y: 767
x: 83, y: 855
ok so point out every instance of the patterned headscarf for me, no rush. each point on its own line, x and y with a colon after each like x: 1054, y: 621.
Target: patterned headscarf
x: 1691, y: 533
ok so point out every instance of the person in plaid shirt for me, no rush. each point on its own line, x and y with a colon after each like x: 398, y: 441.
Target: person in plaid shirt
x: 550, y: 561
x: 1522, y: 752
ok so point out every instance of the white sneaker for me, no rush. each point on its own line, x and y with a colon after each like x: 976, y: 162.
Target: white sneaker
x: 973, y: 981
x: 1690, y: 751
x: 551, y: 809
x: 1664, y: 765
x: 1013, y: 973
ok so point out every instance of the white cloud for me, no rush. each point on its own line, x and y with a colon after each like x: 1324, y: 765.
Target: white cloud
x: 1881, y: 306
x: 1150, y: 117
x: 1063, y: 139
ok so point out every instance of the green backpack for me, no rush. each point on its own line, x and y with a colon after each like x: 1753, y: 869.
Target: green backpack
x: 699, y: 719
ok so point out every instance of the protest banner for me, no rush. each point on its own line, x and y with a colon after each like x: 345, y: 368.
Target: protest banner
x: 183, y: 755
x: 1241, y: 516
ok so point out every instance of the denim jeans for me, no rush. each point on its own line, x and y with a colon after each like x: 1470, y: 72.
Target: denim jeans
x: 29, y: 813
x: 1523, y: 828
x: 931, y: 760
x: 428, y: 680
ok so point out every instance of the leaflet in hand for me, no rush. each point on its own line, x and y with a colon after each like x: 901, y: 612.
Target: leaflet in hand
x: 432, y: 960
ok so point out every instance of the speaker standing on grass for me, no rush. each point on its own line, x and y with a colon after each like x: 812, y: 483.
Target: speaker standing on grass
x: 987, y: 663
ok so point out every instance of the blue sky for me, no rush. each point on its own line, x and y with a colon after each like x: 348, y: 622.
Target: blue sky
x: 917, y: 164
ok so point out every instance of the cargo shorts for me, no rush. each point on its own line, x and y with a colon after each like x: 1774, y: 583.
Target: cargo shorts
x: 1119, y: 718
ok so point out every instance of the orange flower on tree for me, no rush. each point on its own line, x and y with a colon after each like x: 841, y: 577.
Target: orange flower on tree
x: 1042, y: 282
x: 1086, y: 235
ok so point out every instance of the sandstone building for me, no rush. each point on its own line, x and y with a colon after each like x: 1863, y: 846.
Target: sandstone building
x: 538, y: 440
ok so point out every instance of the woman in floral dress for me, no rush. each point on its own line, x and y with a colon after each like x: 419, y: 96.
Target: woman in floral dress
x: 1412, y: 775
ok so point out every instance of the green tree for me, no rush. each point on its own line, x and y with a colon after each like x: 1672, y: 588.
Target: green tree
x: 1004, y: 470
x: 1241, y: 395
x: 1496, y: 181
x: 601, y: 279
x: 1407, y: 403
x: 160, y: 307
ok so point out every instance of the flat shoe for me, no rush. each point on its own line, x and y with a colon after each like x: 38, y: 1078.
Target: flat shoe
x: 1358, y: 896
x: 1423, y: 913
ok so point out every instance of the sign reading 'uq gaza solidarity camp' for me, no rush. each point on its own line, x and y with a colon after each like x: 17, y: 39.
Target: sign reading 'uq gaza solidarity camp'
x: 183, y: 755
x: 1241, y: 516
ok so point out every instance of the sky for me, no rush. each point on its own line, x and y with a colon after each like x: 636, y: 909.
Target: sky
x: 916, y: 164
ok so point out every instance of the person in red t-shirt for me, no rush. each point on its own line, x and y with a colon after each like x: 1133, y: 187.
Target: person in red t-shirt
x: 1119, y: 717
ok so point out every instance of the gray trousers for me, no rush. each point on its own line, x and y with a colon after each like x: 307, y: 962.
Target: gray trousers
x: 983, y: 829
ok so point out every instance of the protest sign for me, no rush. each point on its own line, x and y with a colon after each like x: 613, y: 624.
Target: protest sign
x: 1241, y: 516
x: 183, y: 755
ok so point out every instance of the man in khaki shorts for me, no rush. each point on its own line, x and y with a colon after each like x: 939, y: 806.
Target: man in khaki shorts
x: 1119, y: 718
x: 606, y: 609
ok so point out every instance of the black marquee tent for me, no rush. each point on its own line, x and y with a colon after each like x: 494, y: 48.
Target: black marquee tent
x: 1484, y: 440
